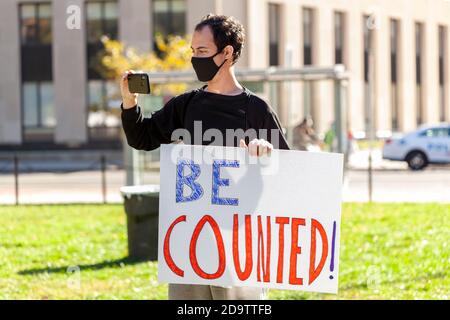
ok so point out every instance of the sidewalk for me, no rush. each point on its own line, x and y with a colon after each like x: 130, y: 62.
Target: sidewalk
x: 392, y: 182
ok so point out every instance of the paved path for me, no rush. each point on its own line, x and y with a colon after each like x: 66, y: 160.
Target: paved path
x: 431, y: 185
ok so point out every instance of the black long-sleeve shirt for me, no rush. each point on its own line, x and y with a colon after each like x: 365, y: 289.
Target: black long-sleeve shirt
x: 215, y: 111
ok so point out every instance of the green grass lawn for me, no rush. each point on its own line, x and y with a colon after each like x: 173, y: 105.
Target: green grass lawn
x: 388, y: 251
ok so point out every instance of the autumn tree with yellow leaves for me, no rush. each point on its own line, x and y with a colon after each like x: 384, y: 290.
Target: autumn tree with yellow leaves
x: 173, y: 54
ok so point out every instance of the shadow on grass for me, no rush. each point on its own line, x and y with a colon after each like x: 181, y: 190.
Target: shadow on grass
x: 118, y: 263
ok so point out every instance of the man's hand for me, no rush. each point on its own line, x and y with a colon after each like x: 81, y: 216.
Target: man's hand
x: 257, y: 147
x: 129, y: 99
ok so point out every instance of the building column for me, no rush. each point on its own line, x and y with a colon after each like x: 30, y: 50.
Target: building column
x: 135, y: 24
x: 323, y: 55
x: 10, y: 82
x: 431, y: 72
x: 354, y: 57
x: 292, y: 42
x: 407, y: 76
x: 257, y: 34
x: 382, y: 102
x: 193, y: 14
x: 238, y: 10
x: 69, y: 75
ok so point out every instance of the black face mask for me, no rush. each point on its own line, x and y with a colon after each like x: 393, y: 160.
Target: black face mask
x: 206, y: 68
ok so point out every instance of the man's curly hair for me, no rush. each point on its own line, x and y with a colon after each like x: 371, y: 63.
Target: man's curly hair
x: 226, y: 31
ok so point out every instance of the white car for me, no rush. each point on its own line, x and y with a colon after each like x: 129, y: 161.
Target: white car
x: 428, y: 144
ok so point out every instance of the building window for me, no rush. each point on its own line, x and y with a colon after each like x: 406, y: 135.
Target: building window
x: 394, y: 26
x: 103, y: 119
x: 38, y: 105
x: 307, y: 36
x: 38, y: 119
x: 368, y: 41
x: 274, y: 16
x: 419, y: 94
x: 367, y: 46
x: 274, y: 34
x: 101, y: 20
x: 442, y: 73
x: 339, y: 36
x: 169, y: 17
x: 308, y: 32
x: 36, y: 23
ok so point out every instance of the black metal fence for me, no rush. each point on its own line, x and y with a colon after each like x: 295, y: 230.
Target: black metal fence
x: 17, y: 167
x: 45, y: 178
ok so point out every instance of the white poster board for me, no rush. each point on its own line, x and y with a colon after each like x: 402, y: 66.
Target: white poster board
x: 229, y: 219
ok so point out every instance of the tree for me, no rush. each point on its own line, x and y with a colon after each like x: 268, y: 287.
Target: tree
x: 173, y: 54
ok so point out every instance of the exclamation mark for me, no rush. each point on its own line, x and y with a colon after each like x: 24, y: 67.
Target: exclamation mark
x: 332, y: 249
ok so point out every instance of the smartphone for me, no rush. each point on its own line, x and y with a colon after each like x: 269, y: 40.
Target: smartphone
x: 139, y: 83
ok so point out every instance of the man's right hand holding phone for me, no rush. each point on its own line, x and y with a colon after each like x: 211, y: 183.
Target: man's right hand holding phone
x: 129, y: 99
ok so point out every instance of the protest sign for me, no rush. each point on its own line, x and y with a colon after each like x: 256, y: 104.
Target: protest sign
x: 230, y: 219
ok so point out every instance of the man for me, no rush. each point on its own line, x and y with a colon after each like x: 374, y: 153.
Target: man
x: 222, y: 104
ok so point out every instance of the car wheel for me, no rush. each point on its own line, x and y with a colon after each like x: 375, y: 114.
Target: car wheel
x: 417, y: 160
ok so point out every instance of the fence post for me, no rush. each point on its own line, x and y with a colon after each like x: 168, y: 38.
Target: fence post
x: 16, y: 178
x: 103, y: 168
